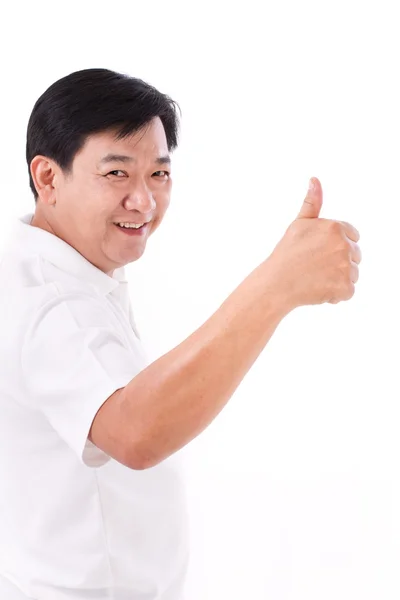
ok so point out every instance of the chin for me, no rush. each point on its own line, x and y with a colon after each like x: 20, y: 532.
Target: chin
x: 129, y: 257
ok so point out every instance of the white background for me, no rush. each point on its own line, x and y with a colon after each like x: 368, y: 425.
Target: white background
x: 295, y: 488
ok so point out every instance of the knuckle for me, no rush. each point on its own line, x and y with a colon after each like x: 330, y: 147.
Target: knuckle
x: 347, y: 270
x: 347, y: 273
x: 344, y: 258
x: 351, y: 291
x: 348, y: 290
x: 293, y: 228
x: 345, y: 245
x: 342, y: 293
x: 343, y: 280
x: 335, y: 227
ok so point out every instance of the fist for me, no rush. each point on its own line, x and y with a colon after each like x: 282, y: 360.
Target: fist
x: 317, y: 259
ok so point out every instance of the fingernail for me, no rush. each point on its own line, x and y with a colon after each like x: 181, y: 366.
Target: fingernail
x: 311, y: 185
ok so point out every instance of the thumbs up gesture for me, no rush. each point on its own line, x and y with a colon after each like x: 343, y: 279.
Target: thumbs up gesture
x: 317, y: 259
x: 312, y: 202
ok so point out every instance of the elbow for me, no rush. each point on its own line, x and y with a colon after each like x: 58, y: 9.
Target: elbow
x: 138, y: 464
x: 140, y: 457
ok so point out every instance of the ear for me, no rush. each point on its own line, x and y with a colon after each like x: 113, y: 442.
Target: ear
x: 44, y: 174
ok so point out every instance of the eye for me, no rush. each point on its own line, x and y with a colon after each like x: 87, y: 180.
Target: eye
x: 161, y: 174
x: 115, y: 173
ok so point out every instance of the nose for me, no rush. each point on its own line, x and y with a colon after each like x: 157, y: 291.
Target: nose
x: 140, y: 199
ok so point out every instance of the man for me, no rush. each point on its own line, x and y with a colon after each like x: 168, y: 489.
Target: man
x: 92, y: 501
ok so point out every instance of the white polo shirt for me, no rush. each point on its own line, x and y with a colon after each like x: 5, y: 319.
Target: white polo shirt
x: 75, y: 524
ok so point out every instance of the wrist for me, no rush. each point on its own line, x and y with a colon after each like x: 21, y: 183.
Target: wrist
x: 279, y: 287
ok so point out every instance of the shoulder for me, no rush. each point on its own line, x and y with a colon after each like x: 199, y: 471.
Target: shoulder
x: 32, y: 286
x: 59, y: 309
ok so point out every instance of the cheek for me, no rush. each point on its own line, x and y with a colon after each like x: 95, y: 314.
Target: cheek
x: 86, y: 206
x: 74, y: 200
x: 92, y: 205
x: 162, y: 202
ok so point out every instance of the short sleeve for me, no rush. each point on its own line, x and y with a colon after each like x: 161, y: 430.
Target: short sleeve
x: 73, y: 359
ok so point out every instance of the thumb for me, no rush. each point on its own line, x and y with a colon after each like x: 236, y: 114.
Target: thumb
x: 313, y: 201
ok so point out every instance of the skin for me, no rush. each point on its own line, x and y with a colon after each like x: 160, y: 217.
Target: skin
x: 82, y: 206
x: 176, y: 397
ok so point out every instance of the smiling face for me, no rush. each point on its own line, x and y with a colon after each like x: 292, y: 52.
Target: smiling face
x: 112, y: 184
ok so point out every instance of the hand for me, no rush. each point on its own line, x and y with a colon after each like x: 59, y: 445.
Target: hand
x: 317, y: 259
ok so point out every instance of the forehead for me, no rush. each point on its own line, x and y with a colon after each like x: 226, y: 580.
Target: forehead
x: 148, y: 142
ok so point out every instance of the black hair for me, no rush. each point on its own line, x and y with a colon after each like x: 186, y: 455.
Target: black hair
x: 92, y: 101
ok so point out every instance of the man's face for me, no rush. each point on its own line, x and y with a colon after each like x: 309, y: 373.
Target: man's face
x: 113, y: 183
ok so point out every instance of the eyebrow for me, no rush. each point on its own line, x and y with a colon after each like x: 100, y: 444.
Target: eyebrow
x: 109, y: 158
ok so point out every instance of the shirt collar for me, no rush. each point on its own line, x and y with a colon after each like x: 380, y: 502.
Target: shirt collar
x: 53, y: 249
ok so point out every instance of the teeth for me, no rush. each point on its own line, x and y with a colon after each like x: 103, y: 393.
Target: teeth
x: 130, y: 225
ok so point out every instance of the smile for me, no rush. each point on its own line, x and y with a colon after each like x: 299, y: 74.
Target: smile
x: 130, y: 225
x: 132, y: 229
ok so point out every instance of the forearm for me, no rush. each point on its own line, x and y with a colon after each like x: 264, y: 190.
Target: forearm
x: 177, y: 396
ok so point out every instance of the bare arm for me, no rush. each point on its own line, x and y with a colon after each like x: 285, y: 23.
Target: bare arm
x: 174, y: 399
